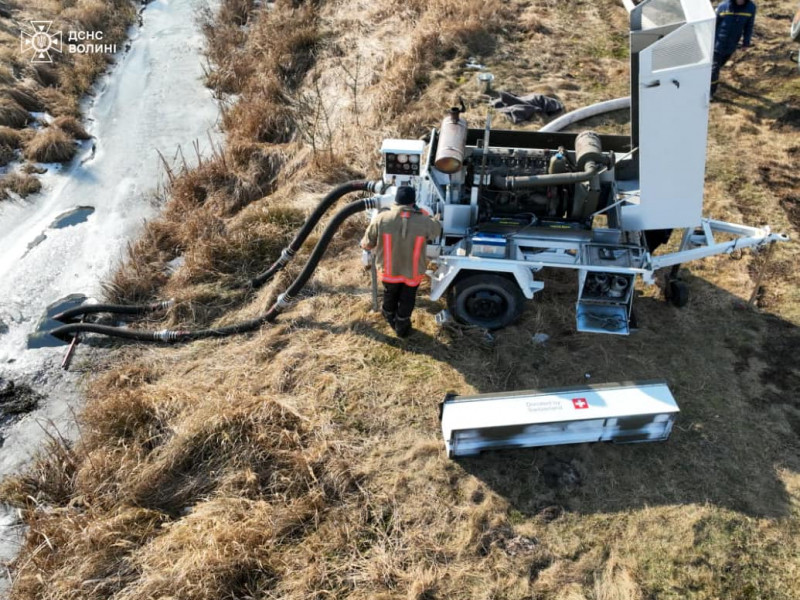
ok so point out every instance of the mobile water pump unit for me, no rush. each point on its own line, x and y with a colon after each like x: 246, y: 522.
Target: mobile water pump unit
x: 514, y: 203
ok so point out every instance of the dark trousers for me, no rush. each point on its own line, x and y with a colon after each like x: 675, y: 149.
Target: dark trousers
x: 399, y: 300
x: 719, y: 62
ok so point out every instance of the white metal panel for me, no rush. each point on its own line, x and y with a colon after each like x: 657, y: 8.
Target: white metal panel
x: 450, y: 266
x: 673, y: 96
x: 613, y: 412
x: 395, y: 146
x: 457, y: 219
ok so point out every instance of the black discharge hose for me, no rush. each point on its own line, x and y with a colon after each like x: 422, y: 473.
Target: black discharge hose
x: 284, y: 300
x: 293, y: 248
x: 118, y: 309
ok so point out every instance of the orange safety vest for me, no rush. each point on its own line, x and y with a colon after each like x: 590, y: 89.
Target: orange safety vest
x: 400, y: 236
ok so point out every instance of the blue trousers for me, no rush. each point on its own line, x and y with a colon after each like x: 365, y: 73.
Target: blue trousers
x: 719, y: 62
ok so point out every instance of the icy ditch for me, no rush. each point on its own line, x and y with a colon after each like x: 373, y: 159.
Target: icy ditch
x: 69, y: 238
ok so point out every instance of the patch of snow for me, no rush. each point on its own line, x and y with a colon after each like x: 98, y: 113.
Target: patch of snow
x: 10, y: 537
x: 175, y: 264
x: 41, y: 118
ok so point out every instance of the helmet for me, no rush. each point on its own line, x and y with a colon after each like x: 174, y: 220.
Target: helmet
x: 405, y: 196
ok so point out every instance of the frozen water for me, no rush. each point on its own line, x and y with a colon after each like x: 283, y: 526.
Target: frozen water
x: 153, y: 101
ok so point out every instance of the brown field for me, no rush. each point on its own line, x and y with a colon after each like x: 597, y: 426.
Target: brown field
x: 55, y: 88
x: 305, y: 461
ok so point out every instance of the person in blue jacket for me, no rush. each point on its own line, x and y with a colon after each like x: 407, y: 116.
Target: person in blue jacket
x: 735, y: 19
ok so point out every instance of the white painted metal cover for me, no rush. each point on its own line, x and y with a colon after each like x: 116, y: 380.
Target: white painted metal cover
x: 394, y: 146
x: 620, y: 412
x: 674, y: 43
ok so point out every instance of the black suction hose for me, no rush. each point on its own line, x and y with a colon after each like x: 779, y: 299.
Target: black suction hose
x: 286, y: 256
x: 118, y: 309
x: 283, y: 301
x: 293, y: 248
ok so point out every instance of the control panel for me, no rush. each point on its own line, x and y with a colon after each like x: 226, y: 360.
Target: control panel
x: 402, y: 160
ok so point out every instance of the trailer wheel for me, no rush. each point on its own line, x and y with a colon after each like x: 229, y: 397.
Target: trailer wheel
x: 678, y: 293
x: 488, y: 301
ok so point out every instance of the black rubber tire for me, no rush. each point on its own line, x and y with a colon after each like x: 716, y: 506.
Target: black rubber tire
x: 678, y: 293
x: 486, y: 300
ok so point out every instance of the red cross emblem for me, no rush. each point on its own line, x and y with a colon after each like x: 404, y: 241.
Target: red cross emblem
x: 579, y: 403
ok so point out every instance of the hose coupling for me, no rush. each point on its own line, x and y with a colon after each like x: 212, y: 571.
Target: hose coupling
x: 167, y: 335
x: 377, y: 187
x: 618, y: 286
x: 284, y: 301
x: 287, y: 254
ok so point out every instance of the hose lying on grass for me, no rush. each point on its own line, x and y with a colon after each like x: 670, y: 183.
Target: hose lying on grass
x: 117, y: 309
x: 293, y: 248
x: 68, y: 331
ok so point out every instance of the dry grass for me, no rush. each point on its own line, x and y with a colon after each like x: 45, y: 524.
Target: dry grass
x: 22, y: 184
x: 285, y: 43
x: 199, y: 224
x: 56, y: 89
x: 12, y: 114
x: 26, y: 98
x: 304, y: 461
x: 50, y: 145
x: 161, y: 521
x: 72, y: 127
x: 7, y: 155
x: 10, y: 137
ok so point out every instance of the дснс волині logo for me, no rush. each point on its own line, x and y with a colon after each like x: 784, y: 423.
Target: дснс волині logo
x: 41, y: 42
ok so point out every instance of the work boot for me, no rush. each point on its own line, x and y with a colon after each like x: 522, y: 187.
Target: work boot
x: 389, y: 316
x: 402, y: 327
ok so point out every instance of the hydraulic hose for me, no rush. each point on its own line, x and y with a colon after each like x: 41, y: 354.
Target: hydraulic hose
x: 283, y: 301
x: 118, y: 309
x: 592, y: 110
x: 293, y: 248
x: 523, y: 182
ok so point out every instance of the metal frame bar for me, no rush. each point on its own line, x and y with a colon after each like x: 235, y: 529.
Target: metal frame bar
x: 694, y: 247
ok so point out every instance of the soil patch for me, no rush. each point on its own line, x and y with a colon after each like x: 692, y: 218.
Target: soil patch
x: 15, y: 400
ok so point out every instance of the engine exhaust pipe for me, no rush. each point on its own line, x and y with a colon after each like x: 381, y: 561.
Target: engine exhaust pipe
x: 452, y: 142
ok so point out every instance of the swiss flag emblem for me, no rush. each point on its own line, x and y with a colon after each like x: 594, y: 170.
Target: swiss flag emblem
x: 579, y: 403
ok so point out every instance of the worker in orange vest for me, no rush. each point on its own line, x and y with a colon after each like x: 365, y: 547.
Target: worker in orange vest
x: 400, y: 236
